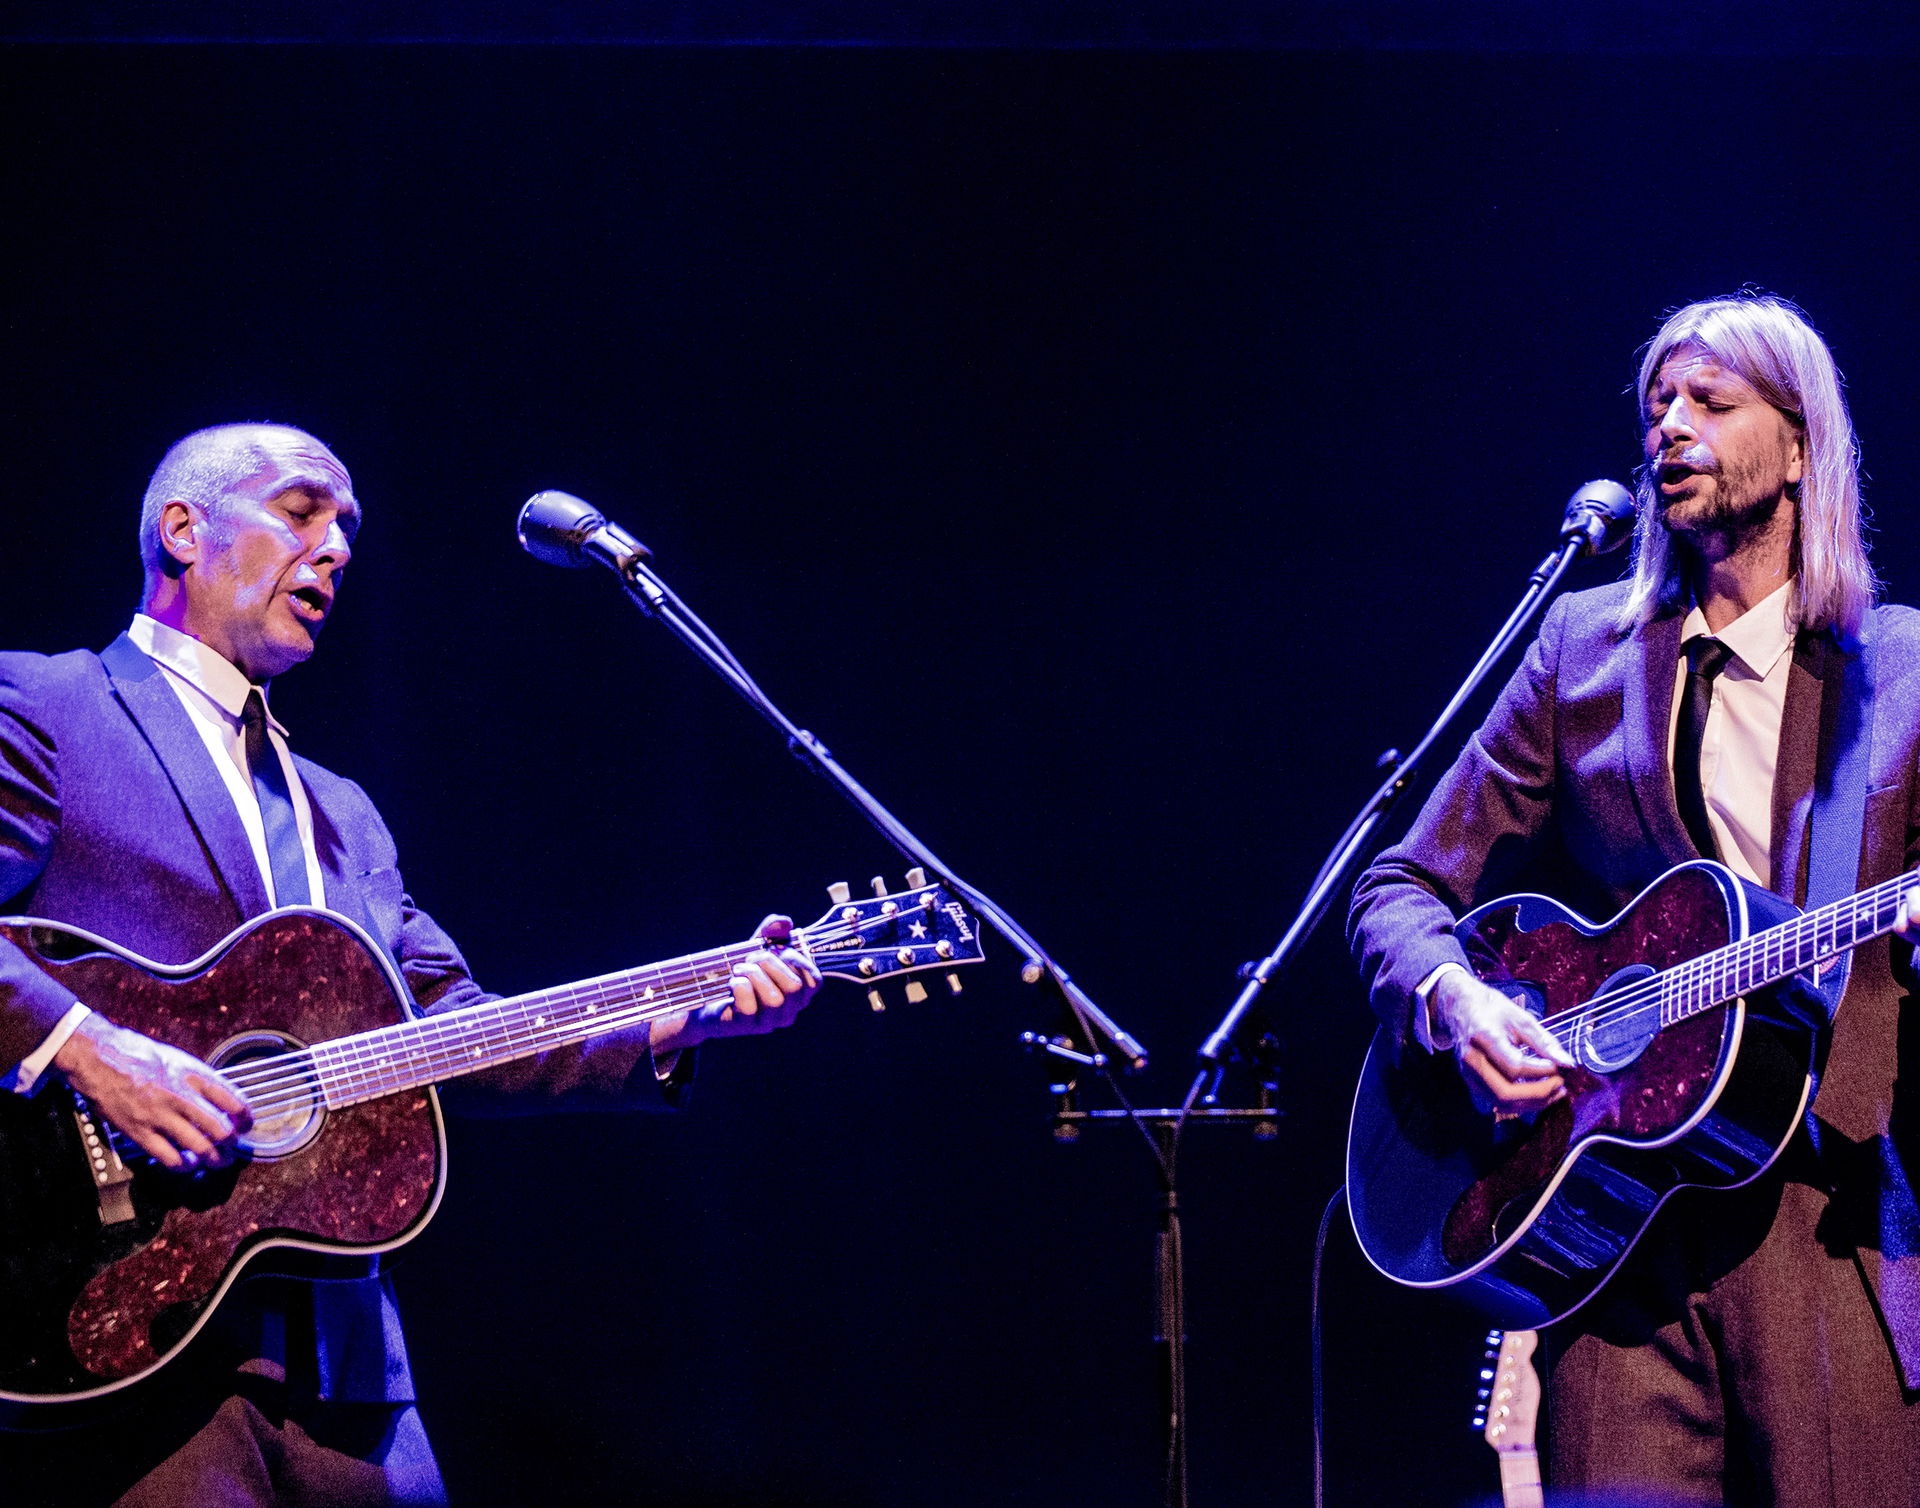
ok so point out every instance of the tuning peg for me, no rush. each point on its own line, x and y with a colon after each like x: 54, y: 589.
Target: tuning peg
x: 874, y: 1000
x: 839, y: 892
x: 916, y: 878
x: 1032, y: 971
x: 953, y: 983
x: 879, y: 883
x: 916, y: 992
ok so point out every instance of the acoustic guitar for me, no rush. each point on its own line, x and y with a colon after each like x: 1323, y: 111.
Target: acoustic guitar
x: 110, y: 1263
x: 1680, y: 1082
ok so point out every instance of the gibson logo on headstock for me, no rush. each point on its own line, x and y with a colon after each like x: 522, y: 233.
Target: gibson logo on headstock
x: 960, y: 919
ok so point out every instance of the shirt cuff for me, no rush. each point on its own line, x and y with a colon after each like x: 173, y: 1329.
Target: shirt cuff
x: 1427, y: 1031
x: 26, y: 1077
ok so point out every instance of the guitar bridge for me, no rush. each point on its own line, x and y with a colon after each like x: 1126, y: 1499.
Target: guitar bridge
x: 112, y: 1179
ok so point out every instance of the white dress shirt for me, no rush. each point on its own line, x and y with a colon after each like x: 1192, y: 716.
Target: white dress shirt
x: 1741, y: 745
x: 214, y: 692
x: 1739, y: 751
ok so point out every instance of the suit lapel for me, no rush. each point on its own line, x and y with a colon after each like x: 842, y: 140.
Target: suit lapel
x: 1802, y: 730
x: 342, y: 885
x: 1653, y: 655
x: 143, y: 690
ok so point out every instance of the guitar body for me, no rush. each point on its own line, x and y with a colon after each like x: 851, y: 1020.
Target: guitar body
x: 1526, y: 1218
x: 108, y: 1268
x: 100, y: 1291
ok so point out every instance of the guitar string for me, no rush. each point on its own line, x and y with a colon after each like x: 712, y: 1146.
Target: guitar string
x: 442, y: 1041
x: 292, y: 1097
x: 314, y: 1082
x: 436, y: 1032
x: 431, y: 1036
x: 352, y: 1066
x: 1701, y: 983
x: 498, y: 1016
x: 1698, y: 977
x: 459, y: 1042
x: 434, y: 1036
x: 1713, y: 978
x: 353, y: 1088
x: 298, y: 1079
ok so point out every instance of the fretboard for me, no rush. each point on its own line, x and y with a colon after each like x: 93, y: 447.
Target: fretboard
x: 390, y: 1059
x: 1520, y: 1480
x: 1793, y: 947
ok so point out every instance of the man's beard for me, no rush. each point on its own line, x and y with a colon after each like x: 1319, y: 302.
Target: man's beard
x: 1739, y: 504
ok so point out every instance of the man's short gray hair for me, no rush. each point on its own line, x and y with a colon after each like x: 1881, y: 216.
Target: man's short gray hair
x: 200, y: 469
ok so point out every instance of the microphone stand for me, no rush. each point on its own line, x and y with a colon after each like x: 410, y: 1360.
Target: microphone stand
x: 1336, y: 871
x: 657, y: 600
x: 563, y: 530
x: 1593, y: 524
x: 1585, y: 529
x: 1166, y: 1126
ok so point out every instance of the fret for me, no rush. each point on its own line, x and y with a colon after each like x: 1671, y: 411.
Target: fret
x: 454, y: 1043
x: 1752, y: 963
x: 426, y: 1050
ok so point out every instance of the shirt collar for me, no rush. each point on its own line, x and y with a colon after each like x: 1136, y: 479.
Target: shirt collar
x: 1758, y: 637
x: 210, y: 673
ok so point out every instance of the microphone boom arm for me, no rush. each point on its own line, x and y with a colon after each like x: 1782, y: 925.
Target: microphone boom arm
x: 1594, y: 522
x: 658, y: 600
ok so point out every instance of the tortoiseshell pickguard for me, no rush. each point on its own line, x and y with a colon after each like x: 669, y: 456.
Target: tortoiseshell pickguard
x: 368, y: 1179
x: 1649, y: 1099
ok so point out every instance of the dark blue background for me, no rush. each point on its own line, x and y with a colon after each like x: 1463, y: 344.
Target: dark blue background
x: 1108, y: 449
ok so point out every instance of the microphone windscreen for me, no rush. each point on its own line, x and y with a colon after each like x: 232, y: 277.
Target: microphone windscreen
x: 554, y: 525
x: 1602, y: 511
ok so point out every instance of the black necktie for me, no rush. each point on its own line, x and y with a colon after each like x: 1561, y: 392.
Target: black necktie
x: 284, y: 853
x: 1706, y: 658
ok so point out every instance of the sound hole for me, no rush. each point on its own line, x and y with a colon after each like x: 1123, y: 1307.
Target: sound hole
x: 1613, y: 1035
x: 285, y: 1119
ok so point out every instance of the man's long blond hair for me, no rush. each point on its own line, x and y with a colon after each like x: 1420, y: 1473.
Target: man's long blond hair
x: 1770, y: 343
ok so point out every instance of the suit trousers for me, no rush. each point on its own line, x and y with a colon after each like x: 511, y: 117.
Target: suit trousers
x: 1736, y: 1358
x: 245, y: 1440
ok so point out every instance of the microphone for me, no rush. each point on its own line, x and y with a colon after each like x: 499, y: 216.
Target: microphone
x: 1599, y: 515
x: 564, y: 530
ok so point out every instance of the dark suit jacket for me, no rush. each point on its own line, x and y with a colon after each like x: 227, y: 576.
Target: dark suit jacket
x: 1565, y: 789
x: 114, y: 818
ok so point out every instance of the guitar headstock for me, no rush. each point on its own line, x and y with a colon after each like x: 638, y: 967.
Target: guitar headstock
x: 1509, y: 1395
x: 903, y: 932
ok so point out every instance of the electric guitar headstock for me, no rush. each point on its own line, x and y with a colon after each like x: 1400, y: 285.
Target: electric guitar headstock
x: 904, y: 932
x: 1507, y: 1407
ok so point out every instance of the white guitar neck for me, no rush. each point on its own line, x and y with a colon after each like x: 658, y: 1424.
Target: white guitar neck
x: 1520, y: 1479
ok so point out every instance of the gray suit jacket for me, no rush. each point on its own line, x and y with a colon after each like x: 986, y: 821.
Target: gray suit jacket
x: 1565, y: 789
x: 113, y: 818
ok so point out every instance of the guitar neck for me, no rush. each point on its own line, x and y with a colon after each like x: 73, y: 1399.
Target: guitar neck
x: 1508, y: 1407
x: 1793, y: 947
x: 1520, y: 1479
x: 432, y: 1049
